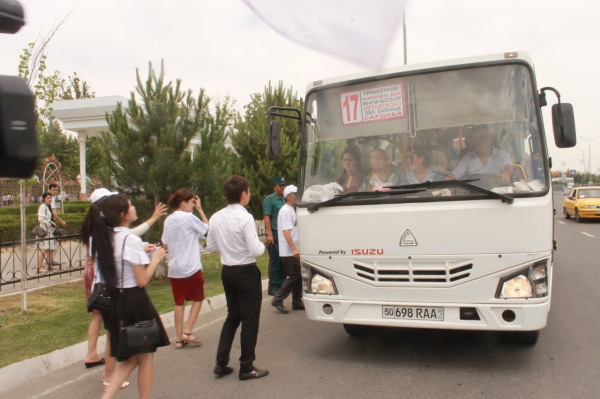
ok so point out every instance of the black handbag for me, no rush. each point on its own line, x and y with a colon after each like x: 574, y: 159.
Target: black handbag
x: 141, y: 333
x: 39, y: 231
x: 100, y: 298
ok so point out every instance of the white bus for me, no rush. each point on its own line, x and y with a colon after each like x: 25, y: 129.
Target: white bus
x: 456, y: 230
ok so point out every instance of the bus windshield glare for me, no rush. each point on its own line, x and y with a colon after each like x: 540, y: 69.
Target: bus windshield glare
x: 478, y: 124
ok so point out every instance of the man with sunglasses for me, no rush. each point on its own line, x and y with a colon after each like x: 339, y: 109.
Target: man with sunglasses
x: 271, y: 206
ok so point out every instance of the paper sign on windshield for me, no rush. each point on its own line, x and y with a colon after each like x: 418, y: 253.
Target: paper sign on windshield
x: 373, y: 104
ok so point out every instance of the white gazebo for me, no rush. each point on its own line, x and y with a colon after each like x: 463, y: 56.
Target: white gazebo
x: 86, y: 117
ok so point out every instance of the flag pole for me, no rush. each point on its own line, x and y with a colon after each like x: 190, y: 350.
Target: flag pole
x: 404, y: 35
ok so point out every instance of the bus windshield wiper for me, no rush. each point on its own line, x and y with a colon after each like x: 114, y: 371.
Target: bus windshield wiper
x: 460, y: 183
x: 399, y: 191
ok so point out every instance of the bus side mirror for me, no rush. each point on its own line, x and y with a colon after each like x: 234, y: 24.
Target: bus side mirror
x: 565, y: 135
x: 273, y: 144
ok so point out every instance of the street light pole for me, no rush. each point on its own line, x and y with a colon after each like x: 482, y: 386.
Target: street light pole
x: 582, y: 160
x: 590, y: 152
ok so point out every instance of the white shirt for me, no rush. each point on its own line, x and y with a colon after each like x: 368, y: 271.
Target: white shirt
x: 471, y: 164
x: 287, y: 221
x: 134, y: 255
x: 233, y: 234
x: 54, y: 206
x: 181, y: 233
x: 138, y: 231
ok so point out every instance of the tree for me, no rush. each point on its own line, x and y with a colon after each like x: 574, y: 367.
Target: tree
x: 212, y: 160
x: 146, y: 151
x: 52, y: 141
x: 250, y: 144
x: 46, y: 87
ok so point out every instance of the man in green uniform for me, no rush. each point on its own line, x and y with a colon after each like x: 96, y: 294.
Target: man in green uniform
x: 271, y: 206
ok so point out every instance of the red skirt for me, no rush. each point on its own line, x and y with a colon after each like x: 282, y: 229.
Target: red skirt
x: 188, y: 289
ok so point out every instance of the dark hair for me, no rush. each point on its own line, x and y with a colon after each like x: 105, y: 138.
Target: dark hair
x: 234, y: 187
x: 102, y: 245
x: 355, y: 152
x: 45, y: 195
x: 51, y: 186
x: 181, y: 195
x: 87, y: 229
x: 423, y: 150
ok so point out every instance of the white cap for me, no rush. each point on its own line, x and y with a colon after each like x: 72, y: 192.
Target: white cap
x: 100, y: 193
x: 289, y: 189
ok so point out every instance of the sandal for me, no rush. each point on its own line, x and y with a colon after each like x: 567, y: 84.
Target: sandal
x: 94, y: 364
x: 191, y: 338
x: 42, y: 270
x: 105, y: 385
x: 180, y: 344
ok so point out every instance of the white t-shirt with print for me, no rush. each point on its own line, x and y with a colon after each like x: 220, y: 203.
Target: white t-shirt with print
x: 287, y: 221
x: 181, y: 233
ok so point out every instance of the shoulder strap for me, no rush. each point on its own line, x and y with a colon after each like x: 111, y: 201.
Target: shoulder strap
x: 123, y: 261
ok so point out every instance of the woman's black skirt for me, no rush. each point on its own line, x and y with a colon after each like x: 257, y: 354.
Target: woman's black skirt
x: 130, y: 306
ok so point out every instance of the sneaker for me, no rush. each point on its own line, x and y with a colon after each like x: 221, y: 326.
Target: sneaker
x: 271, y: 292
x: 223, y: 370
x: 279, y: 306
x: 256, y: 373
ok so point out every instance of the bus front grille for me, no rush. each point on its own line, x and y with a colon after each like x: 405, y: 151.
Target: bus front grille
x: 424, y: 272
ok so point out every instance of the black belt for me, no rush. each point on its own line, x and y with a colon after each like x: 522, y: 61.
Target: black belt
x: 246, y: 265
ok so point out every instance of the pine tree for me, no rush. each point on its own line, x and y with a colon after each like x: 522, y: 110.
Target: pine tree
x: 250, y: 144
x: 212, y: 161
x: 146, y: 149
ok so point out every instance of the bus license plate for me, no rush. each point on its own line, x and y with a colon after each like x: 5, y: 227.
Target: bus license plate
x: 412, y: 313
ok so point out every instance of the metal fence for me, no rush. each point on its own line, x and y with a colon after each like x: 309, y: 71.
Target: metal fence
x: 69, y: 255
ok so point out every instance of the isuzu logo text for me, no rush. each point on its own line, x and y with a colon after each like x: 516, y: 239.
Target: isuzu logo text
x: 369, y: 251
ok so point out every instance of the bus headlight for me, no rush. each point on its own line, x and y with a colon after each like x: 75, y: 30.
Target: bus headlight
x: 517, y: 287
x: 305, y: 272
x: 322, y: 285
x: 531, y: 282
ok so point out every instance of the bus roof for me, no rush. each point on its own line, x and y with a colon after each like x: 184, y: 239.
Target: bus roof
x: 519, y: 55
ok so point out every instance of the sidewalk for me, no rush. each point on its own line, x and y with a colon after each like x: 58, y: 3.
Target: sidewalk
x: 30, y: 369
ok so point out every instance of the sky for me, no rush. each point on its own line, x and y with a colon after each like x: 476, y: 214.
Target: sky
x: 223, y: 47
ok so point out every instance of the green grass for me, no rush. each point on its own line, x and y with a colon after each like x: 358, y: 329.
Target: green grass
x: 57, y: 317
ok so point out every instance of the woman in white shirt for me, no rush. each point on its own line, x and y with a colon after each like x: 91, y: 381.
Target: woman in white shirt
x: 89, y: 276
x: 180, y: 237
x: 48, y: 245
x: 122, y: 261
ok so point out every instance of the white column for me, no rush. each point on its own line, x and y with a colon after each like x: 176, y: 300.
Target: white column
x: 82, y: 170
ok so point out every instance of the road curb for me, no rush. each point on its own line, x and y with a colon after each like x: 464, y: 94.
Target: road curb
x: 26, y: 370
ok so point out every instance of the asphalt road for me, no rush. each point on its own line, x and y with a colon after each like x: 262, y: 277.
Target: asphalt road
x: 310, y: 359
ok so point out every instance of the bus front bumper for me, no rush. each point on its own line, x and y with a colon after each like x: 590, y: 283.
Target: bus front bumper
x: 494, y: 317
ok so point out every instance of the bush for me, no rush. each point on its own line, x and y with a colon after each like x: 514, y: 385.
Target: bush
x: 10, y: 228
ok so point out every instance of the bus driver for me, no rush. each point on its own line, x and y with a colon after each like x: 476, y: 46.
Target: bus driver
x: 485, y: 159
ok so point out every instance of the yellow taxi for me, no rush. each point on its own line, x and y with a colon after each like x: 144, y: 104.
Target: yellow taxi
x: 582, y: 203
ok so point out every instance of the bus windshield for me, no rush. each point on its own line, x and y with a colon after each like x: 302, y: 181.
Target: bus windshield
x: 478, y: 124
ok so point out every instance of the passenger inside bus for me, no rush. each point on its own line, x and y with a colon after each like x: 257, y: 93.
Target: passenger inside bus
x: 419, y: 161
x: 380, y: 172
x: 351, y: 178
x: 485, y: 158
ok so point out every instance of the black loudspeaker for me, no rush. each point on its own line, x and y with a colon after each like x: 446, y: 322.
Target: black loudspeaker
x: 11, y: 16
x: 18, y: 136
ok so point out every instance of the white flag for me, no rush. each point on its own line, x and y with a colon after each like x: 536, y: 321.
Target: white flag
x: 358, y: 30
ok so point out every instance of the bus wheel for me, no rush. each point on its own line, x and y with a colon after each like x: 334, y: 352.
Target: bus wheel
x: 527, y: 337
x: 567, y: 216
x: 355, y: 330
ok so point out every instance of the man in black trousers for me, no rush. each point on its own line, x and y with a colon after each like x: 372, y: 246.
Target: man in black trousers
x: 233, y: 234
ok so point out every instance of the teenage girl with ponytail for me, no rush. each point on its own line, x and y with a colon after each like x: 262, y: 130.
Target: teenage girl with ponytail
x: 115, y: 247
